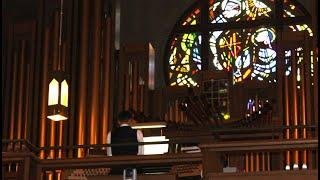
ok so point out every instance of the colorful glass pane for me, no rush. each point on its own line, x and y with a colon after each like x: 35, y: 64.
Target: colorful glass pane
x: 193, y: 18
x: 291, y: 11
x: 248, y: 52
x: 287, y: 56
x: 221, y: 11
x: 184, y: 59
x: 302, y: 27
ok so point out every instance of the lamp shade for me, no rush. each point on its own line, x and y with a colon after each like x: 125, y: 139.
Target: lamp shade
x: 58, y: 97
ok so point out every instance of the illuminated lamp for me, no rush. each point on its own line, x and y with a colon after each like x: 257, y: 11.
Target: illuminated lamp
x: 149, y: 125
x: 58, y: 97
x: 151, y: 134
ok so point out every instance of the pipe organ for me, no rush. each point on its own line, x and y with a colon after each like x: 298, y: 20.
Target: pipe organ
x: 60, y: 40
x: 79, y: 40
x: 134, y: 78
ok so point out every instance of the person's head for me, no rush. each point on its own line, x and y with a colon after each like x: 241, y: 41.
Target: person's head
x: 124, y: 117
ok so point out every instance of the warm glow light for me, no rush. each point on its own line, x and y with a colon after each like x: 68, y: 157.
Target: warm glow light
x: 287, y: 167
x: 304, y: 166
x: 53, y: 92
x: 226, y: 116
x: 57, y: 117
x: 149, y: 125
x: 155, y: 148
x: 64, y: 93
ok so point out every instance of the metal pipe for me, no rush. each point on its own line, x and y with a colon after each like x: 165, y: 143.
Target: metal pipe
x: 81, y: 118
x: 247, y: 162
x: 268, y: 161
x: 303, y: 111
x: 60, y: 140
x: 287, y: 114
x: 95, y: 72
x: 55, y: 43
x: 257, y: 162
x: 13, y: 97
x: 21, y: 88
x: 106, y: 80
x: 263, y: 162
x: 251, y: 162
x: 176, y: 112
x: 26, y: 109
x: 141, y: 98
x: 52, y: 138
x: 171, y: 112
x: 135, y: 82
x: 315, y: 87
x: 127, y: 81
x: 295, y: 104
x: 44, y: 91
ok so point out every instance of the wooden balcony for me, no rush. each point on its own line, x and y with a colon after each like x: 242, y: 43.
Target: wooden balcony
x: 22, y: 162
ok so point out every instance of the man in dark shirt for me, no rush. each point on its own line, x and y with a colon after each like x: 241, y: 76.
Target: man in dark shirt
x: 125, y: 134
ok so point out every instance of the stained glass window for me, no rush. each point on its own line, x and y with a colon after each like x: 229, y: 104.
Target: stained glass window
x: 221, y: 11
x: 290, y: 10
x: 193, y: 18
x: 185, y: 59
x: 287, y: 56
x: 248, y: 53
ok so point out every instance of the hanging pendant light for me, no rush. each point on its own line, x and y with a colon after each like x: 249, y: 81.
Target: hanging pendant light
x: 58, y: 97
x: 58, y: 87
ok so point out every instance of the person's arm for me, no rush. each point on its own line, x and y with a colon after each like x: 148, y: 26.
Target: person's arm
x: 109, y: 152
x: 140, y: 139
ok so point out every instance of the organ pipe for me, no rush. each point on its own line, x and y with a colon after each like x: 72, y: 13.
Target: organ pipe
x: 52, y: 138
x: 315, y: 87
x: 247, y: 162
x: 251, y: 162
x: 60, y: 140
x: 257, y: 162
x: 26, y: 110
x: 21, y: 81
x: 303, y: 110
x: 176, y: 112
x: 135, y: 84
x: 81, y: 118
x: 13, y: 97
x: 106, y: 80
x: 55, y: 42
x: 287, y: 116
x: 295, y: 105
x: 94, y: 106
x: 263, y: 162
x: 44, y: 90
x: 141, y: 98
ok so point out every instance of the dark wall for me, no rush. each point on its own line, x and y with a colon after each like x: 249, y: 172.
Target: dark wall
x: 145, y: 21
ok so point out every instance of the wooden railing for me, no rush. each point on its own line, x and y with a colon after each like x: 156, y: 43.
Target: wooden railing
x: 25, y: 164
x: 255, y: 156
